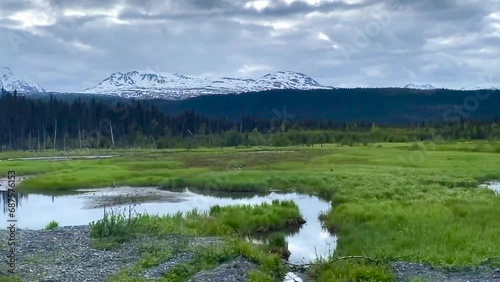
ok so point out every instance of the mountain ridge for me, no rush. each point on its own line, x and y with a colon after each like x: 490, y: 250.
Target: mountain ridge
x: 10, y: 82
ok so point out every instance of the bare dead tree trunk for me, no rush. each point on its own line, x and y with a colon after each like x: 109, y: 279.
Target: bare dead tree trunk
x: 210, y: 134
x: 44, y: 137
x: 112, y: 136
x: 80, y: 135
x: 55, y: 134
x: 98, y: 136
x: 182, y: 131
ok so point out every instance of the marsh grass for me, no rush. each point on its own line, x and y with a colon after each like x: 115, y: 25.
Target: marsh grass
x: 263, y: 218
x: 242, y: 219
x: 352, y: 271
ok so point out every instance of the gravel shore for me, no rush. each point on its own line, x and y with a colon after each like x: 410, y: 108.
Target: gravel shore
x: 420, y: 272
x: 67, y: 254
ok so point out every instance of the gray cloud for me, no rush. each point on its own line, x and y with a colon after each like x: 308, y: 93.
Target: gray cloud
x: 72, y: 45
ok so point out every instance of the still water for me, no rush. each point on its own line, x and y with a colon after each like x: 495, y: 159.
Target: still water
x: 35, y: 211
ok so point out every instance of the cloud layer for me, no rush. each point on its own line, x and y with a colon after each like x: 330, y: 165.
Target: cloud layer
x: 72, y: 45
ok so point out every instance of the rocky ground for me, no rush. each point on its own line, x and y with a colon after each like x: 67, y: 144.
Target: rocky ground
x: 419, y: 272
x: 67, y: 254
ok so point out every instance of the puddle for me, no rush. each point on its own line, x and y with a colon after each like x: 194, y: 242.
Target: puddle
x: 495, y: 186
x: 35, y: 211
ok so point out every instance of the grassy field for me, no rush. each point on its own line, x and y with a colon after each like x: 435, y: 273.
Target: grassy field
x: 399, y: 201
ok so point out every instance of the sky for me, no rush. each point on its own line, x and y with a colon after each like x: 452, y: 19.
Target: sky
x: 70, y: 45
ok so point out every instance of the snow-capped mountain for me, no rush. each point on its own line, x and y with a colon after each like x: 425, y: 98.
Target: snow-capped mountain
x: 10, y: 82
x: 143, y: 84
x: 420, y: 86
x: 471, y: 87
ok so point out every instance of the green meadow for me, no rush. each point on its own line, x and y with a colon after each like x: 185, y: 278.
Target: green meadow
x: 390, y: 201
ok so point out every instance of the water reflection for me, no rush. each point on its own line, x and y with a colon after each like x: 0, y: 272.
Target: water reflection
x: 312, y: 240
x: 4, y: 200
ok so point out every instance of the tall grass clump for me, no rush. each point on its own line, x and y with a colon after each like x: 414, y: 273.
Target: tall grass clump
x: 52, y: 225
x: 348, y: 270
x: 115, y: 224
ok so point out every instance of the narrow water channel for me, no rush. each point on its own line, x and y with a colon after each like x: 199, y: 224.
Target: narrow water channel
x: 35, y: 211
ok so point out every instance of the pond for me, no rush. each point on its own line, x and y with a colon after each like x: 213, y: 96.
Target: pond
x: 35, y: 211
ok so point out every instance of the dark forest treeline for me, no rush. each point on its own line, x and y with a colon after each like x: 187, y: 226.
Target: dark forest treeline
x: 37, y: 124
x: 389, y: 106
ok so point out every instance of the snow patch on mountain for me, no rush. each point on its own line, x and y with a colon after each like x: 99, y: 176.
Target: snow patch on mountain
x: 10, y: 82
x: 420, y: 86
x: 144, y: 84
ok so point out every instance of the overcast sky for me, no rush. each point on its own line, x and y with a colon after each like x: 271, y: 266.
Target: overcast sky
x: 70, y: 45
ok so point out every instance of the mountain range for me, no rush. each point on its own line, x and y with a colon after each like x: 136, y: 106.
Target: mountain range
x: 175, y: 86
x: 137, y: 84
